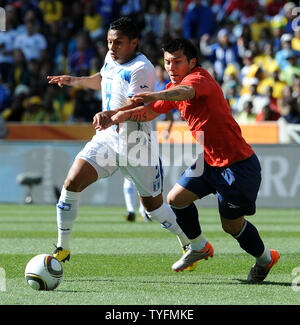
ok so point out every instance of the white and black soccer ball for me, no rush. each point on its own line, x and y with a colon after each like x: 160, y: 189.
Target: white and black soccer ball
x: 43, y: 272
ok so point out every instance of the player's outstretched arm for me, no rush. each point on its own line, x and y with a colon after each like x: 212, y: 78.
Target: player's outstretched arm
x: 178, y: 93
x: 91, y: 82
x: 102, y: 120
x: 138, y: 114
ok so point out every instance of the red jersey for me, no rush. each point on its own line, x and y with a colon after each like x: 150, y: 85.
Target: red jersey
x: 209, y: 112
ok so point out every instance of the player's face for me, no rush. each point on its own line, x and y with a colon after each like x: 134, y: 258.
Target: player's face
x: 121, y: 48
x: 177, y: 65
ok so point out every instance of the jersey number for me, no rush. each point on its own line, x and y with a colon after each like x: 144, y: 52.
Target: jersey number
x: 107, y: 99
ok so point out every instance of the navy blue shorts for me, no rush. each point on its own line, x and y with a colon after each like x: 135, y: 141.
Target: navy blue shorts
x: 236, y: 186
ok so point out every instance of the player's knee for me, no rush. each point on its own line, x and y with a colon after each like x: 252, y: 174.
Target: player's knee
x: 174, y: 200
x: 72, y: 184
x: 232, y: 227
x: 152, y: 203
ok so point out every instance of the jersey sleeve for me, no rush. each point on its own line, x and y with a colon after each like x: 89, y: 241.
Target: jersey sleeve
x: 141, y: 80
x: 201, y: 85
x: 161, y: 106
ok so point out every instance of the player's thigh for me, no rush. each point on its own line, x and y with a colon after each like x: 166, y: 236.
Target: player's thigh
x: 80, y: 175
x: 190, y: 188
x: 181, y: 197
x: 147, y: 179
x: 101, y: 157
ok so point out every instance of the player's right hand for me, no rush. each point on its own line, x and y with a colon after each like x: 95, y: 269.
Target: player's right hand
x: 61, y: 80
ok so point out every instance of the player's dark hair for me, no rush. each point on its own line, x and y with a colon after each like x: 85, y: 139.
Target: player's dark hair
x: 188, y: 48
x: 126, y: 26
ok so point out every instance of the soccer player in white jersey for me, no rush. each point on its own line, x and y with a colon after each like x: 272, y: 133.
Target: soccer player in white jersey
x: 125, y: 72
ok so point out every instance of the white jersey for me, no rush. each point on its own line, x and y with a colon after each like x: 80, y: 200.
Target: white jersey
x: 120, y: 82
x: 132, y: 149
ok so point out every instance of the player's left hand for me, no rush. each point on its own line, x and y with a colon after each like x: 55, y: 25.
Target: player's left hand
x: 102, y: 120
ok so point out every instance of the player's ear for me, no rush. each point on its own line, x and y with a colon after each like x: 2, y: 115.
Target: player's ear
x: 135, y: 42
x: 193, y: 63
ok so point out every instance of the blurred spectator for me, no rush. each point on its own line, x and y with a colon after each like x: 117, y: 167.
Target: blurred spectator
x: 231, y: 94
x: 259, y: 24
x: 34, y: 111
x: 6, y: 43
x: 296, y: 86
x: 79, y: 63
x: 242, y: 10
x: 176, y: 18
x: 31, y: 43
x: 220, y: 53
x: 255, y: 75
x: 93, y: 21
x: 273, y: 7
x: 15, y: 111
x: 86, y: 106
x: 75, y: 20
x: 51, y: 10
x: 18, y: 73
x: 51, y: 112
x: 267, y: 114
x: 266, y: 59
x: 198, y: 21
x: 281, y: 56
x: 53, y: 38
x: 24, y: 6
x: 293, y: 68
x: 248, y: 60
x: 288, y: 15
x: 272, y: 100
x: 161, y: 79
x: 258, y: 100
x: 3, y: 128
x: 109, y: 11
x: 283, y: 102
x: 130, y: 7
x: 277, y: 29
x: 293, y: 115
x: 5, y: 96
x: 296, y: 40
x: 246, y: 115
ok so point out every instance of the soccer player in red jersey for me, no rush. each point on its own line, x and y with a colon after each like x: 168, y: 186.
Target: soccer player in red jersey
x: 231, y: 169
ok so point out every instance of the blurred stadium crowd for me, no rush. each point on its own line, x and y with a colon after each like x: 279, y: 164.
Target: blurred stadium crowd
x: 251, y: 47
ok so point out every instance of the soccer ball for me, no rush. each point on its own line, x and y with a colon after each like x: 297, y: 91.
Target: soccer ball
x: 43, y: 272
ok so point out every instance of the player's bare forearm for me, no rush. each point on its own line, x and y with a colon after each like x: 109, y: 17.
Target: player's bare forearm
x: 91, y: 82
x: 102, y: 120
x: 141, y: 114
x: 178, y: 93
x: 138, y: 114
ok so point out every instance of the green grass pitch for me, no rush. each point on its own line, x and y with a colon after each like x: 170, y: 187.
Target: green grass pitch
x: 114, y: 262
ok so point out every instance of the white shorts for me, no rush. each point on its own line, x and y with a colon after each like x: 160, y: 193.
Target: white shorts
x: 148, y: 177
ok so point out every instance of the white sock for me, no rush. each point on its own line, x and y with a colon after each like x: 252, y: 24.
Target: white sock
x: 129, y: 191
x: 183, y: 240
x: 198, y: 243
x: 142, y: 210
x: 165, y: 215
x: 66, y: 209
x: 265, y: 258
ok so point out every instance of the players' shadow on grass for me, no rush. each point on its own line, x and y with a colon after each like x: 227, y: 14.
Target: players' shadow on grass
x: 283, y: 284
x: 200, y: 283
